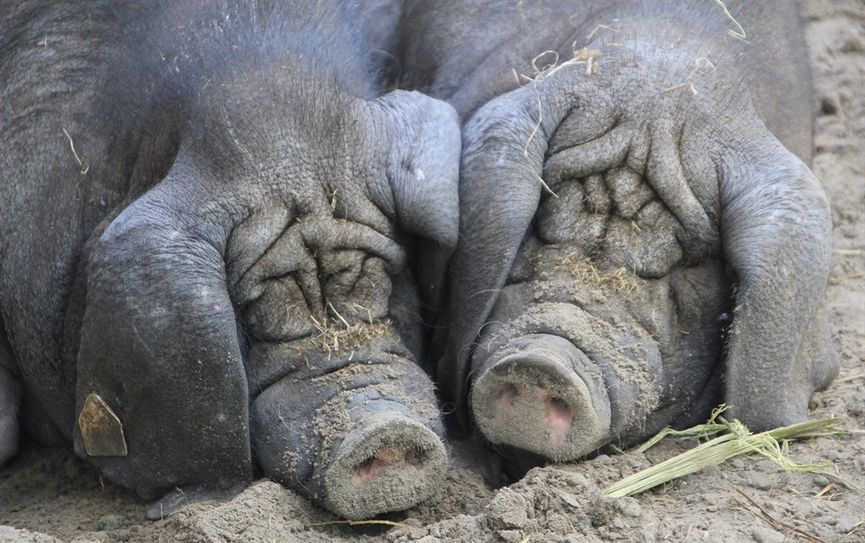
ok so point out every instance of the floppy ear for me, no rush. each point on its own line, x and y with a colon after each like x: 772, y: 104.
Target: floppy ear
x: 419, y: 189
x: 421, y: 164
x: 159, y: 366
x: 777, y: 235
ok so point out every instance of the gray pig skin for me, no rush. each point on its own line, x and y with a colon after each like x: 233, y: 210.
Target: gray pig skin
x: 640, y: 235
x: 208, y: 224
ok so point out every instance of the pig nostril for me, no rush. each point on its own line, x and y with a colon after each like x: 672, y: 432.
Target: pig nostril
x: 510, y: 391
x: 558, y: 418
x: 369, y: 469
x: 366, y: 465
x: 414, y: 457
x: 559, y: 404
x: 386, y: 457
x: 507, y: 394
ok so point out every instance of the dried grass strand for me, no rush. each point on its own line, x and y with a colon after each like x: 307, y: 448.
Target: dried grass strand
x: 739, y: 33
x: 361, y: 523
x: 776, y: 523
x: 721, y: 448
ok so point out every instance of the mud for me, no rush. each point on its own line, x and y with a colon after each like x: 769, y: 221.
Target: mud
x: 47, y: 494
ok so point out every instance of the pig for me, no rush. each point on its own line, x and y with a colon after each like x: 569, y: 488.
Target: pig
x: 215, y: 231
x: 641, y: 237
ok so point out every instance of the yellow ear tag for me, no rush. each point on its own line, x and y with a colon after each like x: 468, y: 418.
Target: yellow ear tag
x: 101, y: 430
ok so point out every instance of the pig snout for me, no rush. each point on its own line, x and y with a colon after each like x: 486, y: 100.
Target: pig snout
x: 542, y: 395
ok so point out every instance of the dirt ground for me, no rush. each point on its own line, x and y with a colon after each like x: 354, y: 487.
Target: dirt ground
x: 47, y: 494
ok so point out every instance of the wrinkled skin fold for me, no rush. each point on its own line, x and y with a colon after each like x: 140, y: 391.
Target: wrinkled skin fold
x: 640, y: 235
x: 210, y: 220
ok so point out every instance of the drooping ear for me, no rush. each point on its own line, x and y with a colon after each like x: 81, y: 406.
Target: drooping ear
x: 422, y: 164
x: 160, y: 371
x: 776, y: 231
x: 419, y: 188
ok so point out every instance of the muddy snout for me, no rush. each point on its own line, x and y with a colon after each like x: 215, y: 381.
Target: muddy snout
x: 389, y: 462
x: 361, y: 439
x: 540, y: 393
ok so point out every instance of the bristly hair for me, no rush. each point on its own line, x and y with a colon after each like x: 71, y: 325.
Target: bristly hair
x: 225, y: 63
x: 260, y: 65
x: 264, y: 65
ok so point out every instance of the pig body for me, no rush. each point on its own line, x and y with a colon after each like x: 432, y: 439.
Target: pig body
x: 207, y: 227
x: 640, y: 235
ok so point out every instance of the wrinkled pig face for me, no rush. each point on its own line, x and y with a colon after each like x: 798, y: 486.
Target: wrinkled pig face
x: 594, y: 330
x: 604, y: 218
x: 262, y: 309
x: 615, y: 287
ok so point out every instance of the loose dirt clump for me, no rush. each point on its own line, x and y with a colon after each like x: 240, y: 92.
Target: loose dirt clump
x: 48, y: 493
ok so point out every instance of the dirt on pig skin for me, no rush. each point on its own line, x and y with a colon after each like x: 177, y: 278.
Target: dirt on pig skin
x: 48, y: 495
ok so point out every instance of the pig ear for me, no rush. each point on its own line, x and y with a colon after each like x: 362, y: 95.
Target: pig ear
x: 500, y: 186
x: 160, y: 363
x: 419, y: 188
x: 776, y: 231
x: 422, y: 165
